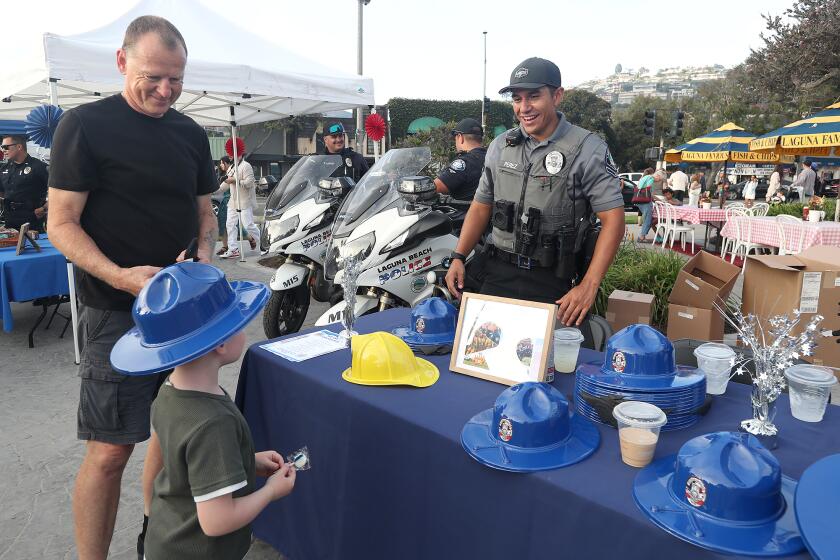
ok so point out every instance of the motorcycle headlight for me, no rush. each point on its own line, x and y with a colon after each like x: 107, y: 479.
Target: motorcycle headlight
x: 360, y: 247
x: 286, y: 228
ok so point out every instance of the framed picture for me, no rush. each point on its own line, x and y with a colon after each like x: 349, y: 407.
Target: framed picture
x: 503, y: 340
x: 25, y: 235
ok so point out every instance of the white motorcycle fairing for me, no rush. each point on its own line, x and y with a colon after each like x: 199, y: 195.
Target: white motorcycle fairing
x: 334, y: 314
x: 289, y: 275
x: 301, y: 241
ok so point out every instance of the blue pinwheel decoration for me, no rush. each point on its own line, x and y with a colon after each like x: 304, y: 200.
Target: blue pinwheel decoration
x: 41, y: 124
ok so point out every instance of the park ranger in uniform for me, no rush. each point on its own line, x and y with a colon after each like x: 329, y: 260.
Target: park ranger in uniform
x: 353, y: 164
x: 542, y: 185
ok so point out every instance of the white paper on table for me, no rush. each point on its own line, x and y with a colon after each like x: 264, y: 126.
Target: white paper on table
x: 306, y: 346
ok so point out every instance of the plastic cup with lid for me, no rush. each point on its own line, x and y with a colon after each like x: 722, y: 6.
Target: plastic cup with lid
x: 809, y: 389
x: 715, y: 360
x: 638, y: 431
x: 566, y: 348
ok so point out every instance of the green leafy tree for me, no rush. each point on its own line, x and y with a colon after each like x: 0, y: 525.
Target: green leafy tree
x: 402, y: 111
x: 439, y: 140
x: 589, y: 111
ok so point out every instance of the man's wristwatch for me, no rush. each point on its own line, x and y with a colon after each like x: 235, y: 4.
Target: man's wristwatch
x: 458, y: 256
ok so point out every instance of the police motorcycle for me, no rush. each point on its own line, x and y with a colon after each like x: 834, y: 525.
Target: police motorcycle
x: 298, y: 216
x: 402, y: 231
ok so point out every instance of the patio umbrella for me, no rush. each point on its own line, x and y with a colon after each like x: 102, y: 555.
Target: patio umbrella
x: 727, y: 143
x: 817, y: 135
x: 41, y: 124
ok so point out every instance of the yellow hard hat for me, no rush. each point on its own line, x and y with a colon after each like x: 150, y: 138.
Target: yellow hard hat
x: 381, y: 358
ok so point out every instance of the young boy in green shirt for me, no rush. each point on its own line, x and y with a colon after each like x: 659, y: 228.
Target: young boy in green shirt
x: 189, y: 317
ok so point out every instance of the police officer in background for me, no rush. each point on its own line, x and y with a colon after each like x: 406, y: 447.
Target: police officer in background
x: 23, y: 185
x: 542, y: 183
x: 355, y: 165
x: 460, y: 179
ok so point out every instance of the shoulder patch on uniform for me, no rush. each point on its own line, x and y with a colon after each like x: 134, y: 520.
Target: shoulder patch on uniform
x: 609, y: 164
x: 458, y: 165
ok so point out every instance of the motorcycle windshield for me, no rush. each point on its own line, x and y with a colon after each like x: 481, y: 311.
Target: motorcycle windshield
x: 377, y: 189
x: 300, y: 182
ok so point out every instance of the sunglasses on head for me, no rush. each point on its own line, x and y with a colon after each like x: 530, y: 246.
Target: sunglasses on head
x: 335, y: 129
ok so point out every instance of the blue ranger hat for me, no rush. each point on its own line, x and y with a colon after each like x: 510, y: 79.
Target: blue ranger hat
x: 185, y: 311
x: 817, y: 496
x: 640, y: 357
x: 724, y: 492
x: 530, y: 428
x: 432, y: 322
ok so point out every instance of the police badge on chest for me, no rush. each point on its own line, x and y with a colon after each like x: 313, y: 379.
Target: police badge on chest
x: 554, y: 162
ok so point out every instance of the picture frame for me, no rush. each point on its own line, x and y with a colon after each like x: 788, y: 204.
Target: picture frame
x: 503, y: 340
x: 25, y: 235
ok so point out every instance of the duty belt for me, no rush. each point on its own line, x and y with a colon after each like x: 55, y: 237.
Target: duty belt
x: 520, y: 261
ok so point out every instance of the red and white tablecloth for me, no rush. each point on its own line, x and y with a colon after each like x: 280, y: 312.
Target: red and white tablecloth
x: 695, y: 215
x: 764, y: 230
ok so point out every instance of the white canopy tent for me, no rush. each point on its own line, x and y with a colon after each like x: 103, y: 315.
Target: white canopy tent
x: 232, y: 76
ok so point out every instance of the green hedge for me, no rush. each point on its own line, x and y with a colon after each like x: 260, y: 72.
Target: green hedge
x: 795, y: 209
x: 645, y: 271
x: 402, y: 111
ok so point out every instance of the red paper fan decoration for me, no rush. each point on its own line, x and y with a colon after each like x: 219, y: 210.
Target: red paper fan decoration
x: 375, y: 127
x: 240, y: 146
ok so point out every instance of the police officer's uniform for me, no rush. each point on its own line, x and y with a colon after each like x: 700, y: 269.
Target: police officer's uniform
x: 353, y: 164
x: 24, y: 187
x: 461, y: 176
x: 544, y: 196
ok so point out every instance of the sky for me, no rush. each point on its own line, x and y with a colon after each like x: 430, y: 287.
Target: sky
x: 433, y: 49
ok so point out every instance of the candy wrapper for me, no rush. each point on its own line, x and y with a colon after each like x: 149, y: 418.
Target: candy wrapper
x: 300, y: 459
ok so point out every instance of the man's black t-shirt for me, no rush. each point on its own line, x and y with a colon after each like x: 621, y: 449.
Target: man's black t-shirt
x: 142, y: 175
x: 463, y: 174
x: 353, y: 165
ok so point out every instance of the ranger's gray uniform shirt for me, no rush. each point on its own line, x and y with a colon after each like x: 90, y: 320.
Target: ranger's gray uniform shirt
x: 596, y: 174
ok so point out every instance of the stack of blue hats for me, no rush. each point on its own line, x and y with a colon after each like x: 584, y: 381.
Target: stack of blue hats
x: 431, y: 328
x: 639, y: 365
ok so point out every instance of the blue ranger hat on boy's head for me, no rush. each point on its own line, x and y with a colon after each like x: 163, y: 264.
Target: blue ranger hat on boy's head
x: 531, y: 428
x: 817, y: 496
x: 185, y: 311
x: 432, y: 322
x: 723, y: 492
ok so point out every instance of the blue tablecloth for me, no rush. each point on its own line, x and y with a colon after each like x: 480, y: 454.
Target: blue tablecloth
x: 389, y: 478
x: 29, y: 276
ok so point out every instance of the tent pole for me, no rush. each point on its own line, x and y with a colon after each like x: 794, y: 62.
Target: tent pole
x: 71, y: 272
x: 236, y: 179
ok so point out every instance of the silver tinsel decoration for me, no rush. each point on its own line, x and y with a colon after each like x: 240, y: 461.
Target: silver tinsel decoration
x: 773, y: 351
x: 352, y: 267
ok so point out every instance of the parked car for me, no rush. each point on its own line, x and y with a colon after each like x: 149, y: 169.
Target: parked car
x: 628, y: 187
x: 736, y: 192
x: 831, y: 188
x: 635, y: 176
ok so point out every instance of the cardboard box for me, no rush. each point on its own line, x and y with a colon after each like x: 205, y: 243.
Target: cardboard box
x: 693, y: 322
x: 702, y: 280
x: 628, y: 308
x: 810, y: 282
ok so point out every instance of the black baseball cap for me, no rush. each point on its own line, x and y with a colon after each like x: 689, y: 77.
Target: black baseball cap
x: 334, y: 128
x: 468, y: 126
x: 533, y: 73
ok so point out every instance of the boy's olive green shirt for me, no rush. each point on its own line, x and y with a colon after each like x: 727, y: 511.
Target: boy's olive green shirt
x: 207, y: 453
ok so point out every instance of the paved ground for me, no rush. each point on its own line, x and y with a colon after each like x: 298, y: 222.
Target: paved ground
x: 39, y: 452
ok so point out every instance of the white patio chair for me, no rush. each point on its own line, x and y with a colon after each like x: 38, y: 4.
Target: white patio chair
x: 760, y: 209
x: 661, y: 217
x: 729, y: 243
x: 792, y: 246
x: 673, y: 229
x: 744, y: 223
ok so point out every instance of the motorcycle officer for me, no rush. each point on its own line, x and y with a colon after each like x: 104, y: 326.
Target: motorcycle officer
x: 460, y: 178
x: 542, y: 183
x: 355, y: 165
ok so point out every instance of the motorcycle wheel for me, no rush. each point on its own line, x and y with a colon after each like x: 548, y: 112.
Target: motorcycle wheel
x: 285, y: 311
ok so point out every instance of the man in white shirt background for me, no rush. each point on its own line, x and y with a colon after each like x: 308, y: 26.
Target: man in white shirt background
x: 679, y: 184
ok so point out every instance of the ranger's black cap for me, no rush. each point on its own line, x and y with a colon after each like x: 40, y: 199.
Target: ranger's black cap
x: 533, y: 73
x: 468, y: 126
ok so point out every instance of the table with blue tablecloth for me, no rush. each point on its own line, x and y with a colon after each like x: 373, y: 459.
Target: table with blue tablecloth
x: 30, y: 275
x: 390, y: 479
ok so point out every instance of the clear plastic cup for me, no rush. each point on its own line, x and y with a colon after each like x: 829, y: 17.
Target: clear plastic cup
x: 638, y: 431
x: 809, y: 390
x: 566, y: 348
x: 715, y: 360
